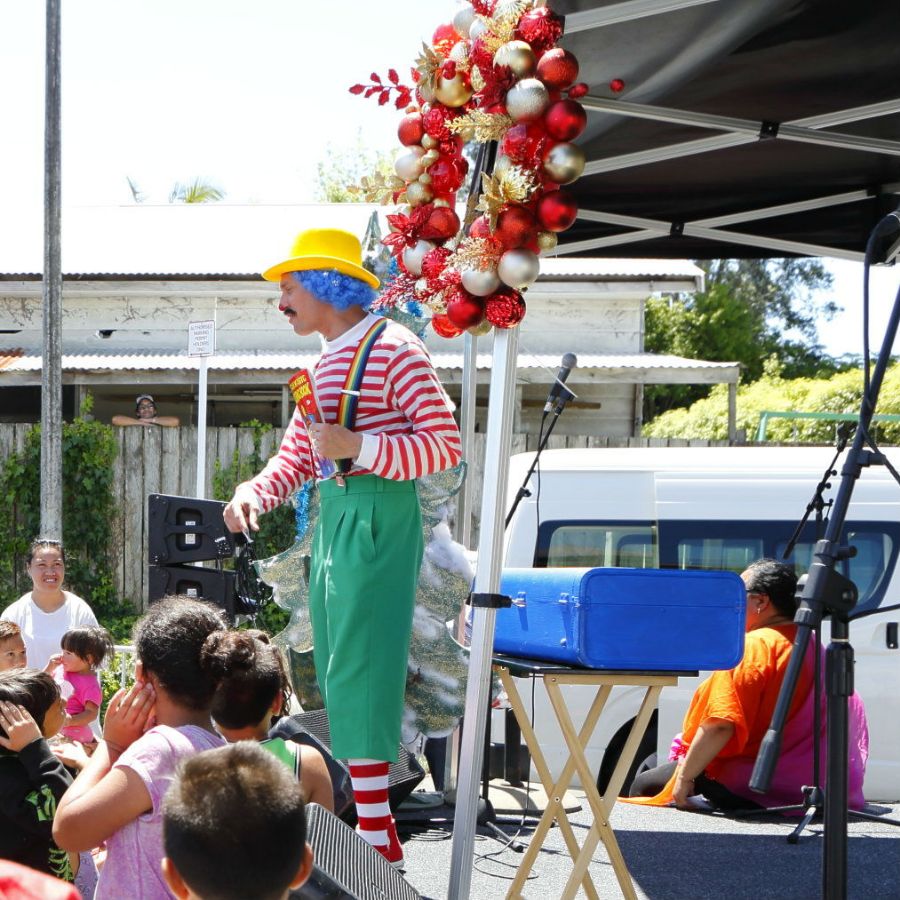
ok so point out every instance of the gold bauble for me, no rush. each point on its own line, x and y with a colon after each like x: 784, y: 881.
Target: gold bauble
x: 452, y: 92
x: 518, y: 57
x: 565, y: 163
x: 481, y: 329
x: 527, y: 99
x: 440, y: 201
x: 547, y: 241
x: 467, y: 133
x: 418, y: 194
x: 424, y: 178
x: 430, y: 157
x: 428, y: 142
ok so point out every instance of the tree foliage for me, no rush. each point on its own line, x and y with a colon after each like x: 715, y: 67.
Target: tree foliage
x: 88, y: 510
x: 751, y: 310
x: 345, y: 166
x: 841, y: 393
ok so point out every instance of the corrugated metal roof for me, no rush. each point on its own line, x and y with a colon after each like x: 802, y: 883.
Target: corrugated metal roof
x: 94, y: 362
x: 219, y: 239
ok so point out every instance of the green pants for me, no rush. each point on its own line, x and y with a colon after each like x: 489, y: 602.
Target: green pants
x: 365, y: 563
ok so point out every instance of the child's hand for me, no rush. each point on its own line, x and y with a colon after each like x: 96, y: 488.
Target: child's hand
x: 128, y: 715
x: 53, y: 662
x: 71, y: 754
x: 20, y: 727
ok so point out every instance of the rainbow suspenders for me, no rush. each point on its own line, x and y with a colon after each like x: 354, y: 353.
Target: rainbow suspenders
x: 347, y: 405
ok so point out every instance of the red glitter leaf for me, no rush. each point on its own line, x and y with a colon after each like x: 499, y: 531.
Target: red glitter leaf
x: 393, y: 76
x: 374, y: 77
x: 357, y: 88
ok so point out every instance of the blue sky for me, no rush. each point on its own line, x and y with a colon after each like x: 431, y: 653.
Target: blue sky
x: 250, y: 95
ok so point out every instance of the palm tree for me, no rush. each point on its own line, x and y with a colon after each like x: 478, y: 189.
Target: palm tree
x: 196, y: 191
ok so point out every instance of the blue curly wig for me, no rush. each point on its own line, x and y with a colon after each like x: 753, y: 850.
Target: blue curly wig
x: 338, y: 290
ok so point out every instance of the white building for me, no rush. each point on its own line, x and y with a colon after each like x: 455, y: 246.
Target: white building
x: 135, y: 276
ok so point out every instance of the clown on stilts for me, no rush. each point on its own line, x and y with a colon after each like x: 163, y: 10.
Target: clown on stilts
x: 368, y: 543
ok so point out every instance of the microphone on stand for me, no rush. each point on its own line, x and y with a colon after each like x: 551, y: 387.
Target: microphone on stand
x: 569, y: 361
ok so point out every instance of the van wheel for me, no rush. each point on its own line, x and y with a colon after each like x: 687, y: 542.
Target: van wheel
x: 644, y: 759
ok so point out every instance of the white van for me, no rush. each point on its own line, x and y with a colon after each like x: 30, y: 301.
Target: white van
x: 711, y: 508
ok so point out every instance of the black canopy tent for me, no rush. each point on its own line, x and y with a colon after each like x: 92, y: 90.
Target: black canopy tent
x: 744, y: 129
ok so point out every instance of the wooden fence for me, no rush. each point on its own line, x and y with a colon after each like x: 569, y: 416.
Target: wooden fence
x: 164, y: 461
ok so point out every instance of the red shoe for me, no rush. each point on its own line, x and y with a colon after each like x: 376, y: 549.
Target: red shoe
x: 393, y: 853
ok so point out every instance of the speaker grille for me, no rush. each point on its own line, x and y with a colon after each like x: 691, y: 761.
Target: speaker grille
x: 346, y: 866
x: 403, y: 775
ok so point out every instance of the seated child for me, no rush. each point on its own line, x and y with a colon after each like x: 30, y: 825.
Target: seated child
x: 253, y: 688
x: 234, y: 826
x: 83, y: 652
x: 12, y: 647
x: 32, y: 779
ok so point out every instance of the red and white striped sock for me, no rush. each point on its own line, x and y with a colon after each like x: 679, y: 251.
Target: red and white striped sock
x: 370, y: 792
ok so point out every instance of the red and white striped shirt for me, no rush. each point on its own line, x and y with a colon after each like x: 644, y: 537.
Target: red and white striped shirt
x: 402, y: 406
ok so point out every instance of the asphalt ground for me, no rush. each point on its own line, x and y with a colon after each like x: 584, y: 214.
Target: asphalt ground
x: 672, y: 855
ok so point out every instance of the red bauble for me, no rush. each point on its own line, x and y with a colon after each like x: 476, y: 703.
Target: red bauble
x: 577, y: 90
x: 480, y: 228
x: 447, y: 174
x: 525, y: 144
x: 617, y: 85
x: 442, y: 224
x: 444, y: 327
x: 444, y: 37
x: 464, y: 310
x: 557, y: 68
x: 515, y: 227
x: 541, y: 28
x: 411, y: 130
x: 556, y: 211
x: 565, y: 120
x: 435, y: 122
x: 505, y: 309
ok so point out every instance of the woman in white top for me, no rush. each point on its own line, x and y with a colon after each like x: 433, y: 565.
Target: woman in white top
x: 47, y: 611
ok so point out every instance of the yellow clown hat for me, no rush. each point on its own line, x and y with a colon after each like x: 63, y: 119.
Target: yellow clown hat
x: 324, y: 248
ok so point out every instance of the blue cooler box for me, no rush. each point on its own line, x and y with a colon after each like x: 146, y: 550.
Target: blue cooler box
x: 645, y: 619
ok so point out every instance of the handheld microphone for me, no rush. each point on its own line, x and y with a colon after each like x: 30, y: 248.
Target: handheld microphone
x: 569, y: 361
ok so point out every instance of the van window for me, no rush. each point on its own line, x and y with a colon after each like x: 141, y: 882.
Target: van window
x: 588, y: 544
x: 719, y: 545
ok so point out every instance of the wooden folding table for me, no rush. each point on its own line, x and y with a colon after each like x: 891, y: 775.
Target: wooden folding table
x: 555, y: 676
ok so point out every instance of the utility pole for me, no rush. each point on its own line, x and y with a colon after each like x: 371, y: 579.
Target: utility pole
x: 51, y: 369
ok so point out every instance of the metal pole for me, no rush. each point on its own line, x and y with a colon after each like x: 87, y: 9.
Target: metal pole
x: 200, y: 491
x: 463, y: 529
x: 487, y: 580
x: 51, y: 368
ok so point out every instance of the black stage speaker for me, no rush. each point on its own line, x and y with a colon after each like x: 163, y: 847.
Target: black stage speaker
x: 403, y: 775
x: 202, y: 584
x: 345, y: 866
x: 184, y: 529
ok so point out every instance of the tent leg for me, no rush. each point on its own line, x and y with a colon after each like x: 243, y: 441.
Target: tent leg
x: 487, y: 580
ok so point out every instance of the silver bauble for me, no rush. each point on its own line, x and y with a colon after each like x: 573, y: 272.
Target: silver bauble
x: 413, y: 256
x: 418, y: 194
x: 518, y: 57
x: 421, y: 287
x: 463, y: 19
x: 527, y: 99
x: 477, y: 29
x: 547, y: 241
x: 459, y: 53
x: 502, y: 164
x: 480, y: 282
x: 518, y: 268
x: 565, y: 163
x: 409, y: 165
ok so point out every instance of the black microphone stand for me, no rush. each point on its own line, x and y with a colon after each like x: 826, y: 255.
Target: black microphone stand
x: 565, y: 395
x: 827, y: 590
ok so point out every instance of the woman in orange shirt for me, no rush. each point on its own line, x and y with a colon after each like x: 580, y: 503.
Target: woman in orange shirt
x: 731, y: 712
